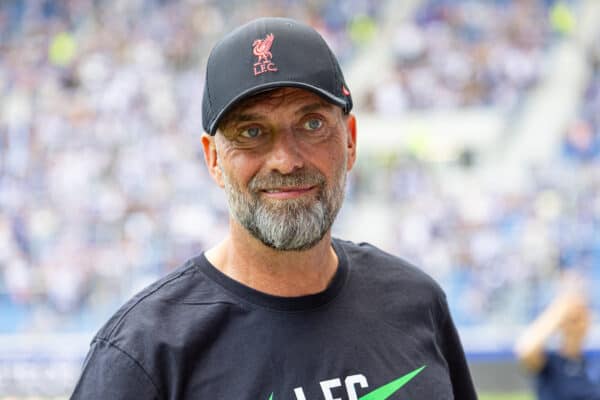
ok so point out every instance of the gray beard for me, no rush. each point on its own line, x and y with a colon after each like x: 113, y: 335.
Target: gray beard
x: 286, y: 225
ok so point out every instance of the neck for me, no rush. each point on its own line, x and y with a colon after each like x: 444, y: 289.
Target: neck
x: 282, y: 273
x: 571, y: 348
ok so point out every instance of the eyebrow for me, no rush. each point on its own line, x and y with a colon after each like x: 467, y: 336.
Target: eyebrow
x: 313, y: 107
x: 246, y: 117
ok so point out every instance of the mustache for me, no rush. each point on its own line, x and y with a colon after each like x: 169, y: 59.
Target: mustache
x: 300, y: 178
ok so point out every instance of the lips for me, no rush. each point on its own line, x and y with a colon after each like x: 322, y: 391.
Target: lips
x: 277, y: 186
x: 287, y: 192
x: 287, y: 189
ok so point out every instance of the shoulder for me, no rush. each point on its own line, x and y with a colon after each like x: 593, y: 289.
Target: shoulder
x: 367, y: 259
x: 164, y: 301
x: 154, y: 332
x: 391, y: 277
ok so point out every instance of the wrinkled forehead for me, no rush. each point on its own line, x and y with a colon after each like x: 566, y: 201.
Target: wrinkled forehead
x: 276, y: 100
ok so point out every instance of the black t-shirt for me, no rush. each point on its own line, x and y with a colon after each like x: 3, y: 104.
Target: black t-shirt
x: 381, y: 330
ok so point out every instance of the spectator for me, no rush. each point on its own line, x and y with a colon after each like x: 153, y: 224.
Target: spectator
x: 568, y: 373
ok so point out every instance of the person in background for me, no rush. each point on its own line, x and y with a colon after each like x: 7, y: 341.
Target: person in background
x: 566, y: 373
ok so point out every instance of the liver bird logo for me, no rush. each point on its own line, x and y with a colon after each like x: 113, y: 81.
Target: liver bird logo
x: 262, y: 49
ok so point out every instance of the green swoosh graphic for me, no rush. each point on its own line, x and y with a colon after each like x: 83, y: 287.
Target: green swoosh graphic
x: 385, y: 391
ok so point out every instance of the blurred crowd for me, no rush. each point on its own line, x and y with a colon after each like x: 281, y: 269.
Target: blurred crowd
x: 582, y: 137
x: 499, y: 251
x: 456, y: 54
x: 103, y: 188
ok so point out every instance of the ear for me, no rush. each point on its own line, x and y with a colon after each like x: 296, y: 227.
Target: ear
x: 211, y: 158
x: 351, y: 141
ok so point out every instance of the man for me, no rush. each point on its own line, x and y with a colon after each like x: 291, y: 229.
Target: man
x: 279, y: 309
x: 567, y: 372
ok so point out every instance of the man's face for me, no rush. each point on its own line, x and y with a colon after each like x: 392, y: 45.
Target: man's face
x: 282, y: 159
x: 577, y: 323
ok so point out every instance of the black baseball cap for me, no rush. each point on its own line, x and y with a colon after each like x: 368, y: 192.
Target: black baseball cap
x: 269, y: 53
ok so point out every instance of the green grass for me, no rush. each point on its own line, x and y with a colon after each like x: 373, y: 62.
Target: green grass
x: 505, y: 396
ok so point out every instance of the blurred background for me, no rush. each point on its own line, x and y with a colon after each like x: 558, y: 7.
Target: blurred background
x: 479, y: 160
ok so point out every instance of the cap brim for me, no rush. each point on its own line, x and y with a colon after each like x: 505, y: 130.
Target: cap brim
x: 339, y: 101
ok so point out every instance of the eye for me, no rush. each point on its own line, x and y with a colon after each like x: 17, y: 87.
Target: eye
x: 313, y: 124
x: 251, y: 132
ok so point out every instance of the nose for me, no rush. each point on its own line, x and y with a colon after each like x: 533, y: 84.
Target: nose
x: 284, y: 155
